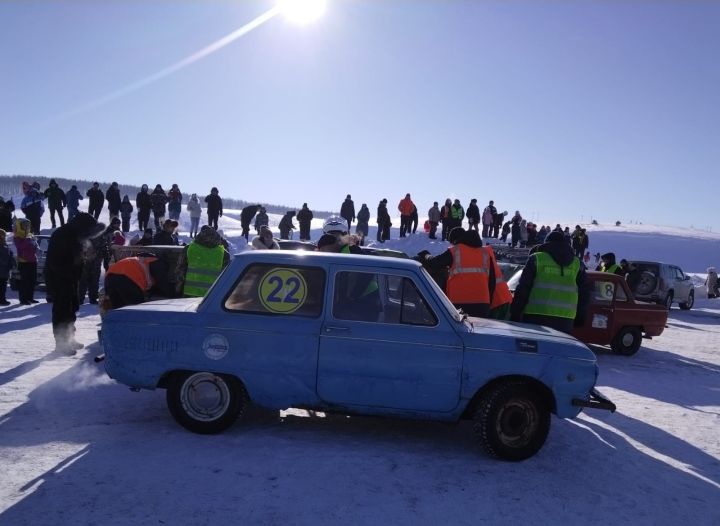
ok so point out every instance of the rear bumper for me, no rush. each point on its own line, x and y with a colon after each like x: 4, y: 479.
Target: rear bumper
x: 595, y: 400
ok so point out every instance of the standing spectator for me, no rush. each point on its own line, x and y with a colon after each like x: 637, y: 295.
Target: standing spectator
x: 63, y: 268
x: 579, y: 241
x: 347, y: 211
x: 143, y: 201
x: 286, y: 225
x: 32, y: 206
x: 608, y: 264
x: 515, y: 228
x: 304, y: 217
x: 246, y: 216
x: 261, y: 219
x: 97, y: 200
x: 473, y: 216
x: 434, y: 219
x: 488, y: 219
x: 446, y: 218
x: 568, y: 235
x: 214, y: 207
x: 457, y: 214
x: 112, y: 196
x: 7, y: 263
x: 96, y: 254
x: 26, y: 249
x: 56, y: 202
x: 195, y: 209
x: 363, y: 222
x: 126, y: 210
x: 551, y: 290
x: 542, y: 234
x: 206, y: 257
x: 414, y: 219
x: 505, y: 231
x: 497, y: 224
x: 167, y: 236
x: 159, y: 201
x: 174, y: 202
x: 523, y: 233
x: 711, y: 283
x: 531, y: 234
x: 72, y: 199
x: 383, y: 221
x: 6, y: 210
x: 405, y: 206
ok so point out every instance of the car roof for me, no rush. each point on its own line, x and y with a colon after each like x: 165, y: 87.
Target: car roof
x: 319, y: 258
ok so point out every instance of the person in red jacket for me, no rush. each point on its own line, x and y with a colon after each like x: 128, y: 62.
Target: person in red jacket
x: 405, y: 207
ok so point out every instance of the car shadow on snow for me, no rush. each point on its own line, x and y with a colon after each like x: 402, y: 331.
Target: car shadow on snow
x: 697, y: 317
x: 102, y: 454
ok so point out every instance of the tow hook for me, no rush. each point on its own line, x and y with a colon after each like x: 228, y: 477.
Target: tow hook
x: 596, y: 401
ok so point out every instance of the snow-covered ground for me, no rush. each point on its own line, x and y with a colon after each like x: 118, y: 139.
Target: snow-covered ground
x: 77, y: 448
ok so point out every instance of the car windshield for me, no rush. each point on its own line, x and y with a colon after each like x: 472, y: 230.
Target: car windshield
x: 443, y: 298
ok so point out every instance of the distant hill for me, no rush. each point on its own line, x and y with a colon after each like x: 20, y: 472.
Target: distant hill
x: 11, y: 186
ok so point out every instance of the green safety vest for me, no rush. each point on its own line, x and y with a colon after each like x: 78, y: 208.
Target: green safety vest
x: 612, y: 268
x: 456, y: 212
x: 204, y: 266
x: 555, y: 291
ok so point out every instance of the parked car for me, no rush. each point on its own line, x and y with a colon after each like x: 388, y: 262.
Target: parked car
x: 665, y: 284
x: 42, y: 240
x: 616, y: 319
x: 352, y: 334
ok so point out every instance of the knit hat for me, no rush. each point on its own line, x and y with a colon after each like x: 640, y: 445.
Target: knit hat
x: 555, y: 237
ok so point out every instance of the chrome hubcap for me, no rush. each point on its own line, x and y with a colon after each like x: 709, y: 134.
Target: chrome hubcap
x: 627, y: 340
x: 205, y: 396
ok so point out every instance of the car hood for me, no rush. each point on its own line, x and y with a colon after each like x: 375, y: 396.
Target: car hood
x: 148, y: 312
x: 492, y: 335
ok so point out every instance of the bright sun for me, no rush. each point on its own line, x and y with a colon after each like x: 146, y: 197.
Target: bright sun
x: 302, y: 11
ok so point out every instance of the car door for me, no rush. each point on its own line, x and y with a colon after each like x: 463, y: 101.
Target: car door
x: 683, y: 284
x: 600, y: 318
x: 384, y: 345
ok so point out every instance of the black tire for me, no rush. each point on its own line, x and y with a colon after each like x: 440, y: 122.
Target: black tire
x: 669, y: 300
x: 647, y: 284
x: 687, y: 305
x: 627, y: 341
x: 512, y: 421
x: 204, y: 402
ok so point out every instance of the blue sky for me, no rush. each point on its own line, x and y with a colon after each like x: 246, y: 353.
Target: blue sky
x: 561, y: 109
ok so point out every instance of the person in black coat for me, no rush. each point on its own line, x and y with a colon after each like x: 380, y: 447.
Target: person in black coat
x: 159, y: 201
x: 246, y: 216
x: 167, y: 236
x: 56, y: 202
x: 126, y: 210
x: 144, y: 205
x: 6, y: 210
x: 347, y: 211
x: 63, y: 267
x: 112, y: 195
x: 214, y: 207
x: 383, y: 221
x: 562, y: 253
x: 97, y: 200
x: 286, y: 225
x: 473, y: 216
x: 304, y: 217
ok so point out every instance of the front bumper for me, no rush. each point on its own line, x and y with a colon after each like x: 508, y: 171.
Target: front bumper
x: 595, y: 401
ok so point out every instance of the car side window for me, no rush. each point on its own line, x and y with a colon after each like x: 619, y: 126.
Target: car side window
x: 379, y: 298
x: 620, y: 294
x: 603, y: 292
x: 283, y: 291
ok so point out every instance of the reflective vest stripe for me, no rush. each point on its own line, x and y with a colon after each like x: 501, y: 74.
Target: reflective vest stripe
x: 204, y: 267
x: 501, y: 294
x: 554, y: 292
x: 468, y: 276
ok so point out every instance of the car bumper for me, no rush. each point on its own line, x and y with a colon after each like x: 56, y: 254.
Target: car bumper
x: 595, y: 400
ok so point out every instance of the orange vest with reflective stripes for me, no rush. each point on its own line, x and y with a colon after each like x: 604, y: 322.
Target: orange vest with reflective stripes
x: 501, y: 294
x: 468, y: 276
x: 137, y: 269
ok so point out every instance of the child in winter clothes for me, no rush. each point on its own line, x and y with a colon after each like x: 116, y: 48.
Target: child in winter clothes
x: 26, y: 248
x: 7, y: 263
x: 195, y: 209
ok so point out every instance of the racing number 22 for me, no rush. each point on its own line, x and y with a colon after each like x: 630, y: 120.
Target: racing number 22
x: 292, y: 283
x: 282, y: 290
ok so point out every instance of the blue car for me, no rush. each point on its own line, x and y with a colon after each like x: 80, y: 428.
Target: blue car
x: 351, y: 334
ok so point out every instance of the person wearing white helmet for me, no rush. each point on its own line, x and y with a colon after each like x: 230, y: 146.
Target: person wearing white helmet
x: 335, y: 225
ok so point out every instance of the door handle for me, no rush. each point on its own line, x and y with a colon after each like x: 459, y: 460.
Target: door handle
x: 330, y: 328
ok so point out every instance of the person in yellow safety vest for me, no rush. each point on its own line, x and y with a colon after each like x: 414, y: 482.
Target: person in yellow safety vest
x: 206, y: 258
x: 552, y: 290
x: 608, y: 264
x: 471, y: 276
x: 501, y: 297
x: 130, y: 280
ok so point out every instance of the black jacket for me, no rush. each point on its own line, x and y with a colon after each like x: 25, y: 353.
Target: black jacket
x: 304, y: 216
x: 55, y: 196
x: 214, y: 205
x: 159, y: 199
x: 383, y: 218
x: 143, y: 201
x: 96, y: 196
x: 473, y: 212
x: 347, y: 210
x: 247, y: 214
x: 113, y: 198
x: 64, y: 258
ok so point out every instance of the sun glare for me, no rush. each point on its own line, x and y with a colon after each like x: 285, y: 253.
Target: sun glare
x: 302, y: 11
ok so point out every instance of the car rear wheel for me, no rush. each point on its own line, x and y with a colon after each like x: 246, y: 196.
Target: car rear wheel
x: 627, y: 341
x: 205, y: 402
x: 687, y: 305
x: 512, y: 421
x: 669, y: 300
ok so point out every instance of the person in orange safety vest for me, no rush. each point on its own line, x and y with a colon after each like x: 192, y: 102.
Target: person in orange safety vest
x: 130, y: 280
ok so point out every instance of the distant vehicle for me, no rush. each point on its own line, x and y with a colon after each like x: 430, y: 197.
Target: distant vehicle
x: 43, y: 241
x: 352, y: 334
x: 614, y: 317
x: 665, y: 284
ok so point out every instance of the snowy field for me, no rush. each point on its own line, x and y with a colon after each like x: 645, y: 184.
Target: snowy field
x: 77, y: 448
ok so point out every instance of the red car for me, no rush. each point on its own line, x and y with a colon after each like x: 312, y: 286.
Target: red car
x: 615, y: 318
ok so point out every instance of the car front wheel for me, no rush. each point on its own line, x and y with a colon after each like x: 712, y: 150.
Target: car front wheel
x: 687, y: 305
x: 627, y: 341
x: 512, y: 421
x: 669, y: 300
x: 205, y: 402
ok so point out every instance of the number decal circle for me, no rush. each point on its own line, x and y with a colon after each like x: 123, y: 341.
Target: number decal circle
x: 282, y: 290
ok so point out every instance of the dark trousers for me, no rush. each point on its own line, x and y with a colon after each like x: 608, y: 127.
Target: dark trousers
x: 90, y: 280
x: 126, y: 223
x: 72, y: 212
x: 122, y: 291
x: 3, y: 289
x: 405, y: 223
x: 60, y: 216
x: 433, y: 230
x: 304, y: 231
x: 158, y: 216
x: 143, y: 217
x: 94, y: 210
x: 213, y: 220
x: 495, y: 231
x: 64, y: 306
x: 445, y: 229
x: 246, y: 230
x: 28, y: 278
x: 486, y: 230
